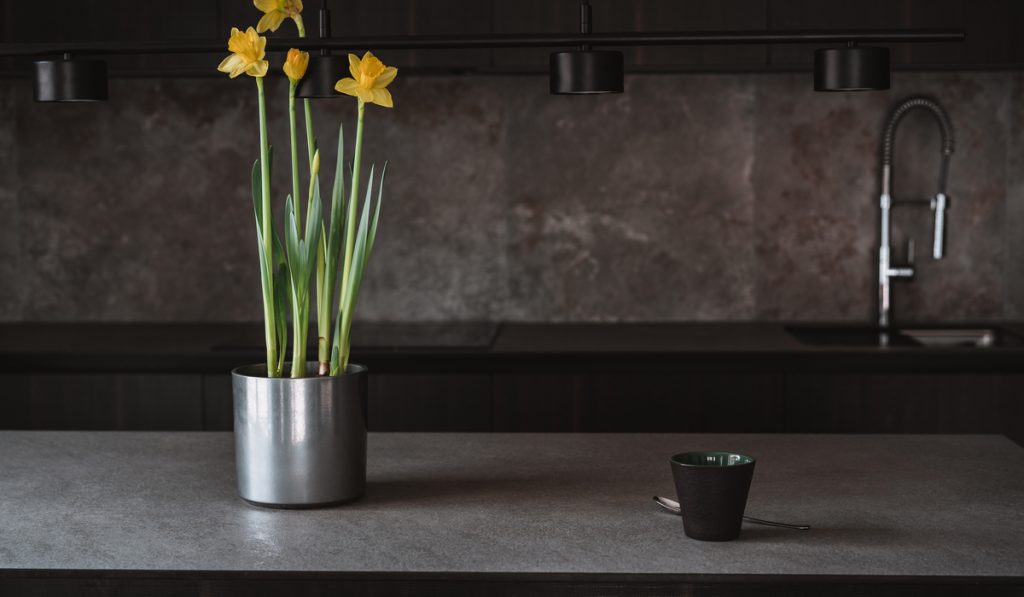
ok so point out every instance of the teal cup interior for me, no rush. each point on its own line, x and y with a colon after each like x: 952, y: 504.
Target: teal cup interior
x: 712, y: 458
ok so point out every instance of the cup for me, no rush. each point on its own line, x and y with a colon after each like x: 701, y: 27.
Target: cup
x: 712, y: 488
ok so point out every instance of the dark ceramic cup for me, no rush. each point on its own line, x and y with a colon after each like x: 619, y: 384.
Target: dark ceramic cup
x: 712, y: 489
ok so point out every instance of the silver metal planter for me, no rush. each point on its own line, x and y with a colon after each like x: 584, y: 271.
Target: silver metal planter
x: 300, y: 443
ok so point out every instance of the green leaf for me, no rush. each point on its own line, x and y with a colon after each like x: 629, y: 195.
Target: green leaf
x: 291, y: 235
x: 296, y: 256
x: 257, y: 193
x: 376, y: 217
x: 335, y: 348
x: 257, y: 201
x: 257, y: 197
x: 356, y: 272
x: 282, y: 300
x: 363, y: 233
x: 333, y: 239
x: 272, y: 299
x: 314, y: 225
x: 359, y: 248
x: 338, y: 191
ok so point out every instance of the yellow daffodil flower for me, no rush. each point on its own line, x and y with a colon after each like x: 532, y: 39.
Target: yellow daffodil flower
x: 369, y: 79
x: 295, y: 64
x: 247, y: 54
x: 276, y: 11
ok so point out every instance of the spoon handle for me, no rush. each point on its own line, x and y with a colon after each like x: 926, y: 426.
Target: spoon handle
x: 772, y: 523
x: 673, y: 506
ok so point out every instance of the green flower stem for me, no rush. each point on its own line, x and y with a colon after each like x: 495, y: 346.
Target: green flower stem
x: 323, y: 295
x: 310, y: 139
x: 344, y: 310
x: 300, y: 327
x: 323, y: 306
x: 273, y: 367
x: 300, y: 304
x: 310, y: 149
x: 295, y: 156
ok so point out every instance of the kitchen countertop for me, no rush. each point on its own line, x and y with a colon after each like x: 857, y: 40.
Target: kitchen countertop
x: 483, y: 346
x: 568, y: 505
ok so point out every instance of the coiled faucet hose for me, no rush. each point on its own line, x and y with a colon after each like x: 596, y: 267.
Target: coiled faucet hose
x: 945, y: 126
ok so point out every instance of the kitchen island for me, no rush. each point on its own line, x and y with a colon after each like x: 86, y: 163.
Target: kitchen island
x: 509, y: 514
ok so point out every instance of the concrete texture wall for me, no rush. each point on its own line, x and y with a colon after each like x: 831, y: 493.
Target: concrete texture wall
x: 689, y: 197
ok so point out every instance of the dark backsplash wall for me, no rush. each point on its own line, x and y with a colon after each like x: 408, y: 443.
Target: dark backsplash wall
x: 689, y: 197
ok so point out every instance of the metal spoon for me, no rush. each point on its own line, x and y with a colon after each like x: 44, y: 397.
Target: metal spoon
x: 673, y: 506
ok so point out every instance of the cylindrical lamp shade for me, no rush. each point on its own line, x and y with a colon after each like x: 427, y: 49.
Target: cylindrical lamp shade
x: 70, y: 81
x: 851, y: 69
x: 322, y: 74
x: 586, y: 71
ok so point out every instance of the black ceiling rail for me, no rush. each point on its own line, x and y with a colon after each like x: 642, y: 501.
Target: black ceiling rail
x: 432, y: 42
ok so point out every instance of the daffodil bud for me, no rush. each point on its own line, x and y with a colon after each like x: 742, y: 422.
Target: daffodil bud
x: 295, y: 64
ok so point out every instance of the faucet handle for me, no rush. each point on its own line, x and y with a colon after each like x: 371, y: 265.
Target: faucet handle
x: 906, y: 271
x: 939, y: 235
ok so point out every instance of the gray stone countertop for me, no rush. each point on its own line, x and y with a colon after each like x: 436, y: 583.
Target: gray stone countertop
x: 486, y: 346
x: 880, y: 505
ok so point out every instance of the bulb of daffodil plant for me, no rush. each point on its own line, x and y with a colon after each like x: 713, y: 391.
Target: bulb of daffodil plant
x: 276, y: 11
x: 369, y: 80
x: 248, y: 51
x: 295, y: 64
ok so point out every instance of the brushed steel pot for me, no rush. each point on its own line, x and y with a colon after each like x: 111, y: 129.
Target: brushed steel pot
x: 300, y: 443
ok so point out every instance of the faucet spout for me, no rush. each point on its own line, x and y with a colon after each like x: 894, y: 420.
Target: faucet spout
x: 889, y: 139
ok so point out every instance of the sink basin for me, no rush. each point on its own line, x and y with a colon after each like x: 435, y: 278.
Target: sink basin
x: 909, y: 336
x: 951, y: 338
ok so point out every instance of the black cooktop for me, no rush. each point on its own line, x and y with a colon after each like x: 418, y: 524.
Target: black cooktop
x: 384, y: 336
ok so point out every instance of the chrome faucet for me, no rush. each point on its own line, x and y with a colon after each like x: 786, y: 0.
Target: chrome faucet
x: 938, y: 203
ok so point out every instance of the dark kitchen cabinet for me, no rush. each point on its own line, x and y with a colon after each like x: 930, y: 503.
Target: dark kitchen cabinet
x: 397, y: 402
x: 98, y: 401
x: 873, y: 14
x: 412, y: 17
x: 16, y: 401
x: 698, y: 15
x: 121, y: 20
x: 991, y: 27
x: 832, y: 402
x: 430, y: 402
x: 625, y: 402
x: 613, y: 16
x: 905, y: 403
x: 711, y: 401
x: 218, y: 403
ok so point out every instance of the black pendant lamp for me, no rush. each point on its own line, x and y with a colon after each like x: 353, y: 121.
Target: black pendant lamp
x: 325, y: 69
x: 853, y: 68
x: 586, y: 71
x: 69, y: 80
x: 321, y: 75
